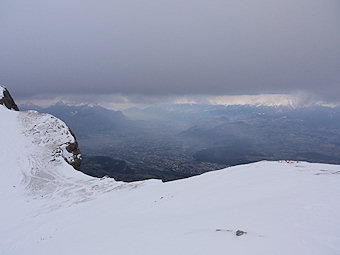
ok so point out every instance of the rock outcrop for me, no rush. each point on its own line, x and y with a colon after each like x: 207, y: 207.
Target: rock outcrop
x: 48, y: 131
x: 74, y: 150
x: 7, y: 100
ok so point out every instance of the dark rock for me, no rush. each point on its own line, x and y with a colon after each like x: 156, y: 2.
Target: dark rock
x: 223, y: 230
x: 7, y: 100
x: 74, y: 149
x: 240, y: 233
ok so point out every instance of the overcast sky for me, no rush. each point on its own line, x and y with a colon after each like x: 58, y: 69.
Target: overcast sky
x: 170, y: 47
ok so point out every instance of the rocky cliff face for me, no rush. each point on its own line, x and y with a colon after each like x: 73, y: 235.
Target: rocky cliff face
x: 74, y: 150
x: 7, y: 100
x: 48, y: 131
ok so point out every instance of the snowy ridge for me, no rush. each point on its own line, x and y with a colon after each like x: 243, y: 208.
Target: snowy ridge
x: 45, y: 130
x: 50, y: 208
x: 41, y: 167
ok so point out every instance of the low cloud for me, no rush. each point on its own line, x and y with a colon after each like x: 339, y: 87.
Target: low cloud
x: 119, y: 102
x: 170, y: 48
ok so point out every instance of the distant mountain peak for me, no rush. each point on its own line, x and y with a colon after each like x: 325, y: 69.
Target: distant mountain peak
x: 60, y: 102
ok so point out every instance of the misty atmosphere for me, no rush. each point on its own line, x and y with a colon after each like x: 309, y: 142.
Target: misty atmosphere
x: 170, y: 142
x: 176, y: 86
x: 169, y: 127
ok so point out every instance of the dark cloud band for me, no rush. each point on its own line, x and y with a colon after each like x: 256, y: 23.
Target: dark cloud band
x: 170, y: 47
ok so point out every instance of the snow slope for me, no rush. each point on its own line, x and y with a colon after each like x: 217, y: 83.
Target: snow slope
x: 47, y: 207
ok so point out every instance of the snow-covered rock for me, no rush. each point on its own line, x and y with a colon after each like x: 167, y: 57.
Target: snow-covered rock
x: 52, y: 134
x: 6, y: 99
x: 263, y: 208
x: 45, y: 128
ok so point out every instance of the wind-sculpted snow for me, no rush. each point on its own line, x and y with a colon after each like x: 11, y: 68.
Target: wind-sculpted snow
x: 48, y: 176
x: 50, y: 132
x: 40, y: 143
x: 47, y: 207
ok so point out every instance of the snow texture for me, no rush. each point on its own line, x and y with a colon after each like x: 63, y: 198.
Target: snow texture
x: 47, y: 207
x: 2, y: 90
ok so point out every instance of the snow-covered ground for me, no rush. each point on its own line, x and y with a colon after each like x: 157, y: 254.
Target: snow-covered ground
x: 47, y: 207
x: 2, y: 90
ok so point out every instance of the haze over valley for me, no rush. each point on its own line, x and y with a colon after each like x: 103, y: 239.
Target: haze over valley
x: 176, y: 141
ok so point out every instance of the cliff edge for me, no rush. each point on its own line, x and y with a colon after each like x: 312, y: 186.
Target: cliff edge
x: 47, y: 131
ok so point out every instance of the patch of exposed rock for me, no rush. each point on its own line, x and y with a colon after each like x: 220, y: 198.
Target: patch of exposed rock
x: 240, y: 233
x: 74, y: 150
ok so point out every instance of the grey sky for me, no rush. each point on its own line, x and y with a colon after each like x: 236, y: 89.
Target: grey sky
x: 170, y: 47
